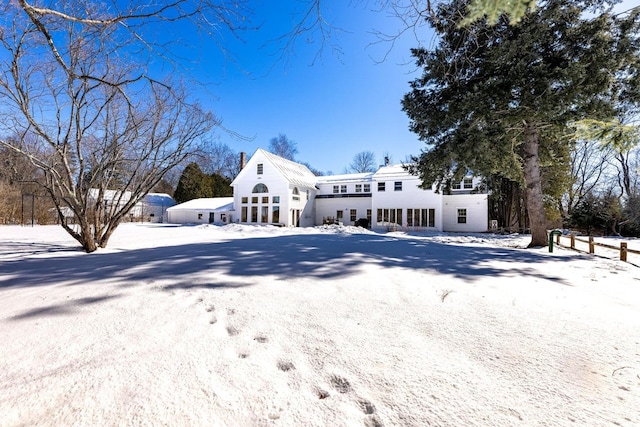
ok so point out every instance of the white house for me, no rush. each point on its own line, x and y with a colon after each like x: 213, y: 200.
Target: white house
x: 218, y: 210
x: 272, y: 190
x: 392, y: 197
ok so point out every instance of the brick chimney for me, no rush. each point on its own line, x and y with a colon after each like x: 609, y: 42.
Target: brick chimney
x: 243, y: 160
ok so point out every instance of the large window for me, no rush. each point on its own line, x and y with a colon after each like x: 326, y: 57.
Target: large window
x: 260, y: 169
x: 260, y: 188
x: 275, y: 216
x: 462, y: 216
x: 381, y: 186
x: 264, y: 217
x: 254, y: 214
x: 243, y: 215
x: 421, y: 217
x: 369, y: 216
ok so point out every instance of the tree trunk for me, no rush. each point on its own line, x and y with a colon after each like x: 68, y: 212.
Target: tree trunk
x: 535, y: 205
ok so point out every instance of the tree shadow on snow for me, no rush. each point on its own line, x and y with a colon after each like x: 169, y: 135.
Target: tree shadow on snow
x: 319, y: 256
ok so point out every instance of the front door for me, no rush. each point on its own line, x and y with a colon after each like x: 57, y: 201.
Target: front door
x: 211, y: 217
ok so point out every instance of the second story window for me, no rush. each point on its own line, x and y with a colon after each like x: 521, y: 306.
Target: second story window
x: 335, y: 189
x: 397, y: 186
x: 367, y: 188
x: 468, y: 183
x: 358, y: 188
x: 343, y: 188
x: 260, y: 168
x: 296, y: 193
x: 381, y: 186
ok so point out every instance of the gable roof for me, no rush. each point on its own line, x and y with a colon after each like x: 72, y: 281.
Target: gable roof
x: 391, y: 172
x: 295, y: 173
x: 159, y: 199
x: 203, y: 204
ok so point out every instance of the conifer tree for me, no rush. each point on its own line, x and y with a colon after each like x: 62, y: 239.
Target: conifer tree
x: 496, y: 100
x: 192, y: 184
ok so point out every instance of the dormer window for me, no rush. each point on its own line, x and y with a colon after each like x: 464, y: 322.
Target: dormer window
x: 260, y: 168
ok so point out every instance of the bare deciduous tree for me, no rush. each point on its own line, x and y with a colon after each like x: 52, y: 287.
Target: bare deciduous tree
x: 220, y: 159
x: 76, y: 88
x: 283, y: 147
x: 364, y: 161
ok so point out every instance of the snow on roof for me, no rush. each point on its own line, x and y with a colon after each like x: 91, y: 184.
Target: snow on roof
x: 295, y: 173
x: 345, y: 177
x: 213, y: 204
x: 392, y: 171
x: 159, y: 199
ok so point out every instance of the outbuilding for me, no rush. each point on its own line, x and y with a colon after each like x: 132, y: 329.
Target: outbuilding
x: 217, y: 210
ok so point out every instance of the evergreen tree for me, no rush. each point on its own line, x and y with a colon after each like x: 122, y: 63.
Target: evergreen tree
x: 193, y: 184
x: 496, y: 100
x: 220, y: 186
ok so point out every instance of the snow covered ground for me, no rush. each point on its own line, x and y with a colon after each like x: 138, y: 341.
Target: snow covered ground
x: 258, y: 326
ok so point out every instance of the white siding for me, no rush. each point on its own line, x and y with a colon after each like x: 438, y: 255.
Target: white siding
x: 277, y: 185
x: 476, y: 208
x: 411, y: 196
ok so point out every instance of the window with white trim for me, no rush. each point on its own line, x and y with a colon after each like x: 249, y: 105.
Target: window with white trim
x: 462, y: 215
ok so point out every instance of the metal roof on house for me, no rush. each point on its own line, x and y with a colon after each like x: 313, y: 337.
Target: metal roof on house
x: 296, y: 173
x: 210, y: 204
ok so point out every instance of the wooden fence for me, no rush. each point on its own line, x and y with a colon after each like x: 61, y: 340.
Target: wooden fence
x: 591, y: 245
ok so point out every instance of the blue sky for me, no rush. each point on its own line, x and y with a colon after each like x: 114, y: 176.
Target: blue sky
x: 333, y: 107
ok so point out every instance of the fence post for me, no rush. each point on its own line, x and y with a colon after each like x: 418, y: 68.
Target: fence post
x: 592, y: 247
x: 573, y: 241
x: 623, y: 251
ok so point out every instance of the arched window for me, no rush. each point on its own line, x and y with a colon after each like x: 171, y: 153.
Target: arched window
x: 260, y: 188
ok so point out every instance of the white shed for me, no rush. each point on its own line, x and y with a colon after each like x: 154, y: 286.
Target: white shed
x: 153, y: 207
x: 217, y: 210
